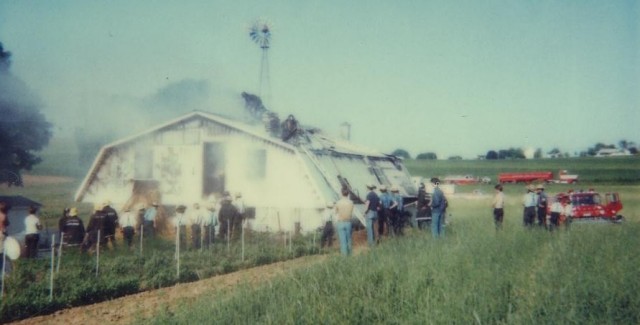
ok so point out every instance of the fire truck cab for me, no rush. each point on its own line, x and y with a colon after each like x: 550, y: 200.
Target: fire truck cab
x: 591, y: 206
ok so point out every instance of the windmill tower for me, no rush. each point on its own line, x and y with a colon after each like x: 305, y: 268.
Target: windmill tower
x: 260, y: 33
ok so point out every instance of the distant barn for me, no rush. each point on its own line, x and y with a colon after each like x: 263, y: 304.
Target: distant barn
x: 199, y: 155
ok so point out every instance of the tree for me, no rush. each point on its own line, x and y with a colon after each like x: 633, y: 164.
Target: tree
x: 491, y: 155
x: 427, y: 156
x: 401, y: 153
x: 455, y: 158
x: 537, y: 154
x: 23, y: 128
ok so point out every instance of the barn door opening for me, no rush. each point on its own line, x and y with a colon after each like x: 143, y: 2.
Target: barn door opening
x: 214, y: 168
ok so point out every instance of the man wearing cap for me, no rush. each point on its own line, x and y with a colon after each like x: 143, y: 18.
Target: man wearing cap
x: 384, y: 213
x: 72, y: 228
x: 556, y: 210
x: 372, y: 205
x: 209, y: 224
x: 529, y: 201
x: 498, y: 207
x: 127, y: 224
x: 344, y: 213
x: 423, y: 210
x: 110, y: 223
x: 438, y: 205
x: 196, y: 218
x: 327, y: 232
x: 236, y: 226
x: 180, y: 225
x: 150, y: 223
x: 397, y: 211
x: 542, y: 201
x: 227, y: 214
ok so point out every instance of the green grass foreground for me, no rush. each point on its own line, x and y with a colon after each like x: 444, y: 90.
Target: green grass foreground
x: 587, y: 275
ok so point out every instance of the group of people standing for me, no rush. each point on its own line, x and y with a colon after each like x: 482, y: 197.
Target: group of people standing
x: 385, y: 210
x: 535, y: 204
x: 32, y: 228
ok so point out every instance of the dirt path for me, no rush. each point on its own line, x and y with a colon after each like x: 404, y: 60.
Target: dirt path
x: 144, y: 305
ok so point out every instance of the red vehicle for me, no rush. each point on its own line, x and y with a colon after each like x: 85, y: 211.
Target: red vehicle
x: 525, y: 177
x: 465, y: 179
x: 530, y: 177
x: 590, y: 206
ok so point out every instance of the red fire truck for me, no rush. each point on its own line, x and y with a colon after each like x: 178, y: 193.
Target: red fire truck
x: 530, y: 177
x: 590, y: 206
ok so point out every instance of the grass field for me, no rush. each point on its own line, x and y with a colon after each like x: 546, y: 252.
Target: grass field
x: 587, y: 275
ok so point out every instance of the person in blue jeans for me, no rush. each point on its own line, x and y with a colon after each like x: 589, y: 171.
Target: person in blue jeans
x: 344, y: 213
x: 372, y: 205
x: 438, y: 206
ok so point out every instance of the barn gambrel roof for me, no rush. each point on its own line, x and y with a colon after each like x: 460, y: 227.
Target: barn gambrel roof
x: 331, y: 163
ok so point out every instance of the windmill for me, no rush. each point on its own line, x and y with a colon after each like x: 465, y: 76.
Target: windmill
x: 260, y: 33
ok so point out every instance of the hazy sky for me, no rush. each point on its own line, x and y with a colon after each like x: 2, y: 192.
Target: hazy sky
x: 453, y: 77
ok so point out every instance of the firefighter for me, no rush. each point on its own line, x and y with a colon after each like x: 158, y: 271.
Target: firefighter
x: 110, y: 223
x: 72, y: 228
x: 95, y: 230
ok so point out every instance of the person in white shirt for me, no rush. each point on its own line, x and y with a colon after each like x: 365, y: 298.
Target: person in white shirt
x: 529, y: 201
x: 32, y: 232
x: 237, y: 222
x: 209, y: 224
x: 127, y: 223
x: 556, y: 210
x: 498, y: 207
x: 179, y: 222
x: 196, y: 219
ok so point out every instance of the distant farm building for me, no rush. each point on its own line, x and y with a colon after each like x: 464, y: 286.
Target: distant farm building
x: 200, y: 155
x: 609, y: 152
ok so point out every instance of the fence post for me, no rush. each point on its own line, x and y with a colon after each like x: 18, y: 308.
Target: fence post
x: 60, y: 252
x: 228, y: 235
x: 178, y: 250
x: 4, y: 266
x: 242, y: 235
x: 141, y: 237
x: 98, y: 253
x: 53, y: 251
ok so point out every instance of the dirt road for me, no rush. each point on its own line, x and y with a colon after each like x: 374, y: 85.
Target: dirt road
x: 137, y: 307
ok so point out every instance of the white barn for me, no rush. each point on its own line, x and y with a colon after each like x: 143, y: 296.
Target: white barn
x: 199, y: 155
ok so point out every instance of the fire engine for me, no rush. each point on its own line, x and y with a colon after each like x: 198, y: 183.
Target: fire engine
x: 528, y: 177
x: 589, y: 206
